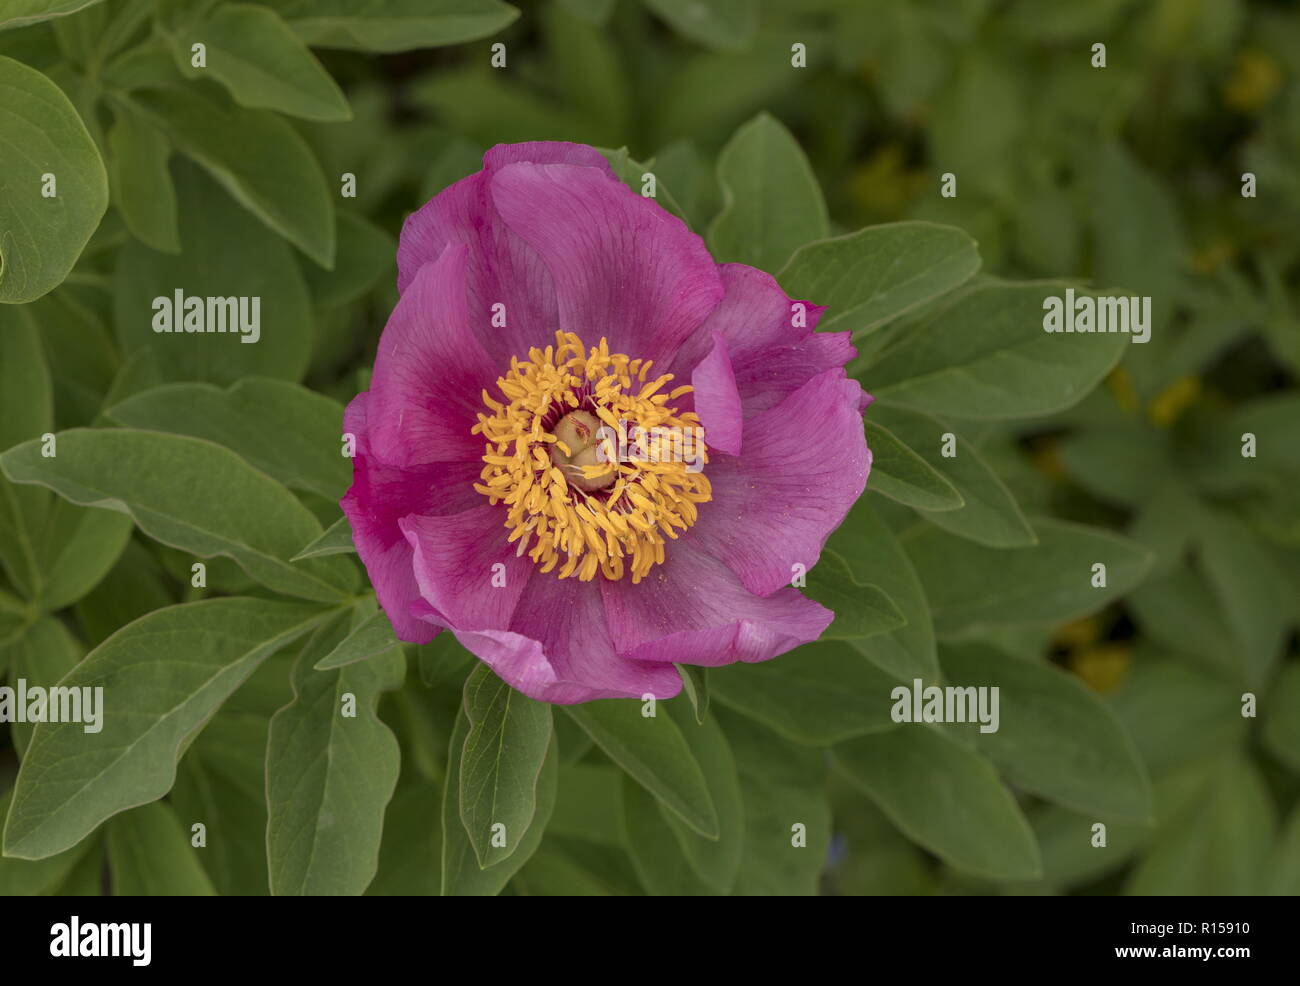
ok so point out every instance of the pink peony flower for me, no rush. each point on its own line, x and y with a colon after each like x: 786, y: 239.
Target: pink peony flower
x: 548, y: 316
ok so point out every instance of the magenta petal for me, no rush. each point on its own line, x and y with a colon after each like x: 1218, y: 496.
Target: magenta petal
x: 623, y: 268
x: 557, y: 649
x: 430, y: 372
x: 379, y: 497
x: 456, y: 566
x: 769, y: 338
x: 805, y: 463
x: 717, y: 401
x: 502, y: 269
x: 693, y: 610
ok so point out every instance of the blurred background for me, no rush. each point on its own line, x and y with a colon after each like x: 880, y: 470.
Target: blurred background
x: 1125, y: 177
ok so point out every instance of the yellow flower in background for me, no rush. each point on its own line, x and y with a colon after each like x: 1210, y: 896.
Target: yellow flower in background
x: 1254, y: 80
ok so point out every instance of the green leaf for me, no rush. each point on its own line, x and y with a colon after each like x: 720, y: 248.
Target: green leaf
x: 150, y: 854
x: 986, y: 355
x: 771, y: 202
x: 817, y: 694
x: 971, y: 585
x: 1219, y: 845
x: 42, y: 656
x: 989, y: 514
x: 39, y: 877
x: 141, y: 182
x: 657, y: 856
x: 787, y: 814
x: 945, y: 797
x: 695, y: 684
x: 860, y: 610
x: 254, y: 54
x: 135, y: 585
x: 78, y: 548
x: 879, y: 273
x: 330, y: 773
x: 715, y: 861
x: 20, y: 13
x: 303, y: 451
x: 255, y: 156
x: 190, y: 494
x: 373, y: 635
x: 1070, y: 858
x: 412, y: 847
x: 461, y: 874
x: 226, y: 254
x: 365, y: 254
x: 721, y: 24
x: 900, y: 474
x: 875, y: 557
x: 336, y: 540
x: 26, y: 412
x: 1054, y: 737
x: 394, y: 25
x: 1281, y: 728
x: 42, y: 134
x: 505, y: 747
x: 652, y: 750
x: 163, y: 677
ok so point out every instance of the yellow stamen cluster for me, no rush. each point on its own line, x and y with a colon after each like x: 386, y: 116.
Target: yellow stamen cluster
x: 619, y: 521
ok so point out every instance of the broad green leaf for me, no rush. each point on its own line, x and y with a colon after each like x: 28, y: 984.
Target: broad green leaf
x: 303, y: 450
x: 44, y: 149
x: 970, y: 585
x: 901, y: 474
x: 78, y: 547
x: 19, y: 13
x: 255, y: 156
x: 26, y: 412
x: 505, y: 747
x: 331, y: 768
x: 875, y: 275
x: 15, y: 618
x: 257, y: 57
x: 986, y: 355
x: 374, y: 635
x: 150, y: 855
x: 860, y: 610
x: 227, y: 255
x: 722, y: 24
x: 568, y: 867
x: 461, y: 874
x: 1053, y: 736
x: 410, y: 854
x: 190, y: 494
x: 1067, y: 842
x: 989, y: 514
x: 1218, y: 846
x: 41, y: 657
x: 336, y: 540
x: 133, y: 587
x: 771, y: 202
x: 1208, y: 719
x: 163, y: 677
x: 817, y: 694
x: 633, y: 174
x: 394, y: 25
x: 365, y: 254
x: 787, y: 814
x: 715, y: 861
x: 946, y: 797
x: 1250, y: 588
x: 657, y: 856
x: 875, y: 557
x: 1284, y: 880
x: 39, y: 877
x: 141, y: 182
x: 652, y: 750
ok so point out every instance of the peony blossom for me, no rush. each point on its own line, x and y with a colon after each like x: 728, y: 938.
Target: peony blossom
x: 588, y: 450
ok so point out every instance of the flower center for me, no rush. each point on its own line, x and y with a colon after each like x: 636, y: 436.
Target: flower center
x: 594, y: 465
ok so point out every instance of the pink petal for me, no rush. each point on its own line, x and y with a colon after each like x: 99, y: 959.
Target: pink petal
x: 717, y: 401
